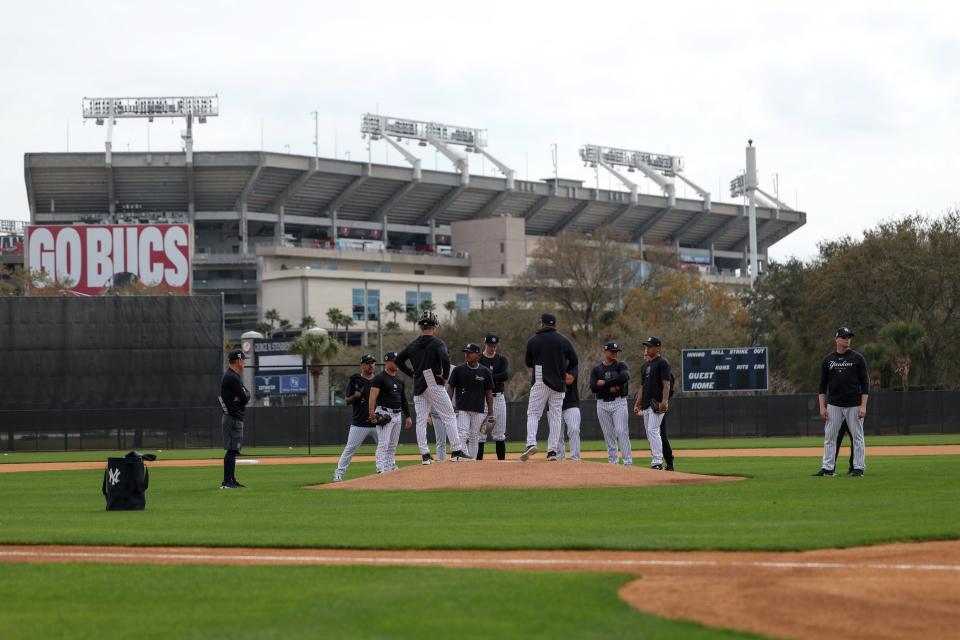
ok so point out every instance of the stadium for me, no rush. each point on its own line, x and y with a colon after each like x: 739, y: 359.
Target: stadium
x: 739, y: 541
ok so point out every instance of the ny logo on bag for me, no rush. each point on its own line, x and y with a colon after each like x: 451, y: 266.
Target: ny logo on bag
x: 114, y: 476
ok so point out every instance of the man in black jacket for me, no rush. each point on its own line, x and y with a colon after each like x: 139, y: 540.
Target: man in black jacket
x: 429, y: 366
x: 844, y: 391
x: 553, y: 360
x: 233, y: 400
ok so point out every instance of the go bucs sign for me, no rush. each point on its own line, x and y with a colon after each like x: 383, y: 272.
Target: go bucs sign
x: 89, y: 258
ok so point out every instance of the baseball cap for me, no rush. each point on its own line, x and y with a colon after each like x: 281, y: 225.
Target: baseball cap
x: 652, y: 341
x: 367, y: 359
x: 611, y: 346
x: 235, y: 355
x: 390, y: 355
x: 492, y: 338
x: 844, y: 332
x: 471, y: 348
x: 548, y: 318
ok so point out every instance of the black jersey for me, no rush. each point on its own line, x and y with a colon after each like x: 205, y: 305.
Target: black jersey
x: 470, y: 387
x: 499, y: 367
x: 844, y: 378
x: 653, y: 374
x: 391, y: 392
x: 554, y: 353
x: 361, y: 406
x: 616, y: 374
x: 233, y: 394
x: 426, y: 353
x: 571, y: 398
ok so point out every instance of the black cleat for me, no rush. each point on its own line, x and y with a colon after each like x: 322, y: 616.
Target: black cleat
x: 669, y: 467
x: 228, y: 485
x: 827, y: 473
x: 856, y: 473
x: 552, y: 456
x: 459, y: 456
x: 529, y: 451
x: 426, y: 458
x: 657, y: 467
x: 237, y: 485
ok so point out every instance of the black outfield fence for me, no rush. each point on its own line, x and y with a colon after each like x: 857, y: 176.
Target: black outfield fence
x: 690, y: 417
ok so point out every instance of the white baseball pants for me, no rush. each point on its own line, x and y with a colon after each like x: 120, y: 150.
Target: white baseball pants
x: 835, y: 417
x: 435, y: 399
x: 651, y: 424
x: 614, y: 420
x: 542, y: 396
x: 388, y: 436
x: 469, y: 429
x: 500, y: 413
x: 354, y: 439
x: 571, y: 419
x: 440, y: 437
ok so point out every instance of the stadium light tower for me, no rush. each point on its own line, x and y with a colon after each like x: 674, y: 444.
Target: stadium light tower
x: 109, y: 109
x: 747, y: 184
x: 439, y: 135
x: 659, y: 167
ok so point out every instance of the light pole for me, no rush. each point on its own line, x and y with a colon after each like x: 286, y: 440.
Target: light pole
x: 316, y: 133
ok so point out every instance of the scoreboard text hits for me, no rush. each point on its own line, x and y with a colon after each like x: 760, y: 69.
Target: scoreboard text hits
x: 728, y: 369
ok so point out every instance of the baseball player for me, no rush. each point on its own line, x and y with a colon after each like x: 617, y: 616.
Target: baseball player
x: 609, y: 381
x: 500, y: 369
x: 430, y: 362
x: 844, y: 391
x: 653, y: 398
x: 439, y: 436
x: 571, y: 418
x: 233, y: 400
x: 471, y: 390
x: 357, y: 395
x: 552, y: 358
x: 388, y: 406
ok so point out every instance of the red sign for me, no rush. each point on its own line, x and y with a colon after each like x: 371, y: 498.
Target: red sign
x: 93, y: 258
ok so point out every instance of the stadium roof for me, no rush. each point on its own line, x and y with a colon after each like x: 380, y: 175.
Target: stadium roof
x: 217, y: 185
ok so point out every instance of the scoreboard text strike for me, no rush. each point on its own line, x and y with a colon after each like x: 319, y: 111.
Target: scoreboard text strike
x: 739, y: 369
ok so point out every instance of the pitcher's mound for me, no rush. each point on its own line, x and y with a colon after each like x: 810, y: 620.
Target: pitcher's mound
x: 511, y: 474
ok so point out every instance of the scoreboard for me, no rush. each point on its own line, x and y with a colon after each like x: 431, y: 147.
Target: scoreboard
x: 728, y: 369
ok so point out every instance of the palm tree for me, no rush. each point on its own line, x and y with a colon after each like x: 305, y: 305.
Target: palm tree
x: 391, y: 326
x: 450, y: 306
x: 395, y: 308
x: 285, y: 325
x: 307, y: 322
x: 427, y: 305
x: 317, y: 348
x: 905, y: 338
x: 273, y: 317
x: 412, y: 317
x: 334, y: 316
x: 346, y: 322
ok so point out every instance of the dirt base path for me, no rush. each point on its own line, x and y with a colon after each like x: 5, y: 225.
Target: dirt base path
x: 641, y: 455
x: 887, y: 591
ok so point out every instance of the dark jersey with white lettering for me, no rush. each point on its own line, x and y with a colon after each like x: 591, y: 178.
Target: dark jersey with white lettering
x: 391, y: 392
x: 470, y: 387
x: 844, y: 378
x: 616, y: 374
x: 653, y: 373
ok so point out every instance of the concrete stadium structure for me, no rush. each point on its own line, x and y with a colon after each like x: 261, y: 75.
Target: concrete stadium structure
x: 240, y: 202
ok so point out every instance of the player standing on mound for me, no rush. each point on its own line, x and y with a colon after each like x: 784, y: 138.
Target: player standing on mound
x: 553, y: 360
x: 429, y: 366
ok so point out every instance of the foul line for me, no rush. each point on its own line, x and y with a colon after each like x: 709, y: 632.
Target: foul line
x: 536, y: 562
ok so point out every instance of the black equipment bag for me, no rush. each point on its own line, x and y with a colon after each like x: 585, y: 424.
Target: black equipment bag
x: 125, y: 482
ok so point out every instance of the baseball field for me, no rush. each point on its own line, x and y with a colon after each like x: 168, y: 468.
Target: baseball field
x: 762, y: 550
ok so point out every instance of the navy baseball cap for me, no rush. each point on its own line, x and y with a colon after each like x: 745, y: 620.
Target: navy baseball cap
x: 611, y: 346
x: 652, y: 341
x: 492, y: 338
x: 548, y: 318
x: 367, y: 359
x: 235, y: 355
x: 844, y: 332
x: 471, y: 348
x: 390, y: 355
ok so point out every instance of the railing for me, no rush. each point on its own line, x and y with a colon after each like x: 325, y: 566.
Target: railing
x: 689, y: 417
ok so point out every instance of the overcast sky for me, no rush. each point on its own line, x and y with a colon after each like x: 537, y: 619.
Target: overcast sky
x: 854, y: 106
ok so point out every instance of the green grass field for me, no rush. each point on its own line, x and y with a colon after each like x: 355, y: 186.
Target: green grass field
x: 780, y: 507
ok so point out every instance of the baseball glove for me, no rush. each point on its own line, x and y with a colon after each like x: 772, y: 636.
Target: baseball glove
x: 488, y: 424
x: 383, y: 419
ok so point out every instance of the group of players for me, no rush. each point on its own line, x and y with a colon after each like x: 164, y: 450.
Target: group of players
x: 466, y: 404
